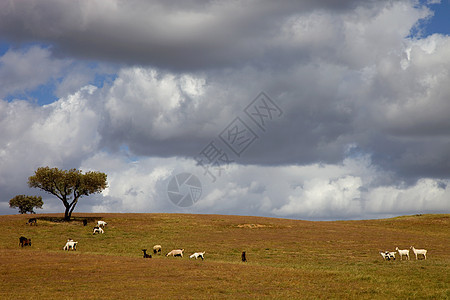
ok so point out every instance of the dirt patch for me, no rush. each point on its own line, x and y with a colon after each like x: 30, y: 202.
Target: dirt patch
x: 253, y: 226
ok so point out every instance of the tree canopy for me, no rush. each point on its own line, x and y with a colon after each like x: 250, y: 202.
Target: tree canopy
x: 68, y: 185
x: 26, y: 203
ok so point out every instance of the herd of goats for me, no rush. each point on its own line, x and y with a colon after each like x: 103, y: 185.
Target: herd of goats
x: 387, y: 255
x: 99, y: 229
x: 71, y: 244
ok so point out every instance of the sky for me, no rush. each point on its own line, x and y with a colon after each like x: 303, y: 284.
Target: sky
x: 316, y: 110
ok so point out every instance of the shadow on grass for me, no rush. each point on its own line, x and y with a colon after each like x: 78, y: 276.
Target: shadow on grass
x: 73, y: 219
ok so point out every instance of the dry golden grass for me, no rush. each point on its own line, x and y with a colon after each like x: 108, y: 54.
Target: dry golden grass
x: 286, y: 258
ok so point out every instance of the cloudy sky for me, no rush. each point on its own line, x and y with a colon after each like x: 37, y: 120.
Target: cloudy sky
x: 317, y: 110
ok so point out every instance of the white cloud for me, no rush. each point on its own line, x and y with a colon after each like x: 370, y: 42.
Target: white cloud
x: 357, y: 38
x: 151, y: 104
x: 133, y: 186
x: 304, y: 192
x: 426, y: 196
x: 22, y: 71
x: 421, y: 91
x: 59, y: 134
x: 320, y: 198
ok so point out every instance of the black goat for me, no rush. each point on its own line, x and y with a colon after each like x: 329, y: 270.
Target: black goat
x: 145, y: 254
x: 243, y: 257
x: 32, y: 221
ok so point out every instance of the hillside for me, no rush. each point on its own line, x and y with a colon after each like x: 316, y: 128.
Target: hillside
x: 286, y: 258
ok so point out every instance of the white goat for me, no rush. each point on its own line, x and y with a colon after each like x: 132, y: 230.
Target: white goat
x: 101, y: 223
x: 70, y: 245
x: 156, y: 249
x: 419, y: 252
x: 178, y: 252
x: 403, y: 253
x: 197, y: 255
x: 98, y: 230
x: 384, y: 255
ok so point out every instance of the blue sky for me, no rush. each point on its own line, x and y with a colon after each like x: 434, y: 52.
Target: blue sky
x: 137, y: 91
x: 440, y: 21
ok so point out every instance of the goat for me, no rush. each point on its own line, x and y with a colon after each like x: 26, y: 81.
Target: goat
x: 145, y: 254
x: 243, y: 256
x: 156, y: 249
x: 70, y: 245
x: 391, y: 254
x: 101, y: 223
x: 197, y: 255
x: 419, y: 252
x: 32, y: 221
x: 23, y: 241
x: 402, y: 253
x: 178, y: 252
x: 98, y: 230
x: 387, y: 255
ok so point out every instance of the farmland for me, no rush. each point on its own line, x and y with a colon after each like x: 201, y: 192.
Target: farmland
x: 286, y: 258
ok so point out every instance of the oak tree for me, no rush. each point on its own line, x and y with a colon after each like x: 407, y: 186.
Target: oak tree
x: 68, y: 185
x: 26, y: 203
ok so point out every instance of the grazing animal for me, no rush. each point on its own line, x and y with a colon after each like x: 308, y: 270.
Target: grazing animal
x: 84, y: 222
x: 101, y: 223
x: 98, y: 230
x: 243, y: 256
x: 391, y: 255
x: 178, y: 252
x: 157, y: 249
x: 419, y: 252
x: 70, y: 245
x: 197, y: 255
x: 23, y: 241
x: 145, y: 254
x: 403, y: 253
x: 387, y: 255
x: 32, y: 221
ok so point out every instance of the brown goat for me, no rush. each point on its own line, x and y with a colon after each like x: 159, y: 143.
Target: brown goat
x: 23, y: 241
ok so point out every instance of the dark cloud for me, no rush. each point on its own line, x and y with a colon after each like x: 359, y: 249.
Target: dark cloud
x: 188, y: 36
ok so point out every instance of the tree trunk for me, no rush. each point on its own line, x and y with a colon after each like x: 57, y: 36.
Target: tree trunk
x: 67, y: 213
x: 72, y: 207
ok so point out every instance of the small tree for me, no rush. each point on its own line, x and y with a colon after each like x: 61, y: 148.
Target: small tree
x: 68, y: 185
x: 26, y: 203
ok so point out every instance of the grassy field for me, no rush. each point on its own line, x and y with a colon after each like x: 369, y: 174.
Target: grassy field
x: 286, y: 258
